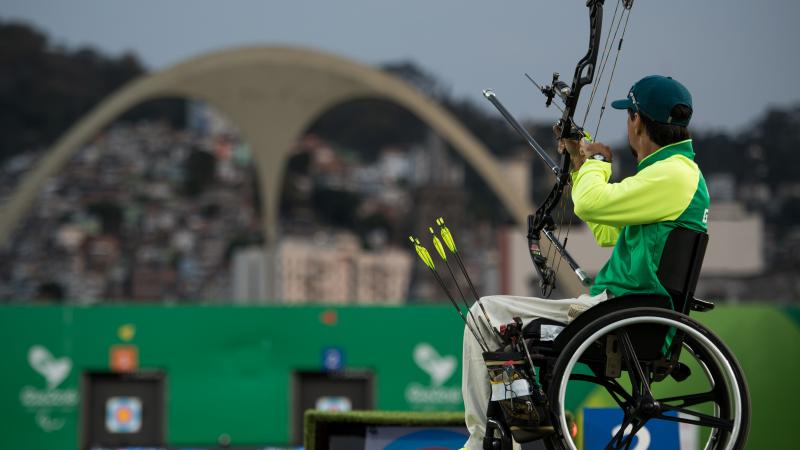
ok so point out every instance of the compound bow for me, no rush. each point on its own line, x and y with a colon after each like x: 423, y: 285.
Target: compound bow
x: 542, y: 222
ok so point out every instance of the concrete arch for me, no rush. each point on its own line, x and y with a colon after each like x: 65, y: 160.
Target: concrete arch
x: 272, y: 94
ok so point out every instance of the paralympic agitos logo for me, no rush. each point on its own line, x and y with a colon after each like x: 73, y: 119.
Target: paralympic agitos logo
x: 440, y: 369
x: 51, y: 402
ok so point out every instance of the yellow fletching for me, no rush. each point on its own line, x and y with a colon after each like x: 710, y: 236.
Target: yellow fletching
x: 439, y: 248
x: 422, y: 252
x: 448, y: 239
x: 445, y: 232
x: 426, y: 257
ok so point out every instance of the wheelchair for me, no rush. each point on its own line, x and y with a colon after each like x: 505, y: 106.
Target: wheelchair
x: 642, y: 354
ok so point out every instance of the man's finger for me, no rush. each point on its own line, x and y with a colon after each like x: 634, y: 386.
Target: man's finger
x: 585, y: 147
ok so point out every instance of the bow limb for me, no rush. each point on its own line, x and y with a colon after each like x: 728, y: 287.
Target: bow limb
x: 584, y: 71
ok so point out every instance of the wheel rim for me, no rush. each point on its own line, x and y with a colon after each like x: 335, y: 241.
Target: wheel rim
x: 710, y: 377
x: 726, y: 371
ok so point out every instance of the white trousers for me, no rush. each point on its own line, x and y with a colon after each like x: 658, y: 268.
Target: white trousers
x: 501, y: 309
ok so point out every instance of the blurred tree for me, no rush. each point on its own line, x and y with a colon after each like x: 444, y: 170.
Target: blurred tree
x: 483, y: 122
x: 365, y: 125
x: 45, y: 89
x: 757, y: 153
x: 774, y: 139
x: 488, y: 126
x: 418, y: 77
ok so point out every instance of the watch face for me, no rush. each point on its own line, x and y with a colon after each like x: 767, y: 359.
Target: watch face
x: 598, y: 157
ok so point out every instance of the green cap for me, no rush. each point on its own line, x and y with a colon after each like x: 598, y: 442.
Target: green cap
x: 655, y: 96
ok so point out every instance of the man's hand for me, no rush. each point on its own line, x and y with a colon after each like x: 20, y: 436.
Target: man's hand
x: 572, y: 147
x: 580, y: 151
x: 588, y: 149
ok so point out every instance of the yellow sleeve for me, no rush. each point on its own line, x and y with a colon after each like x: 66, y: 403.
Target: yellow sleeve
x: 659, y: 192
x: 605, y: 235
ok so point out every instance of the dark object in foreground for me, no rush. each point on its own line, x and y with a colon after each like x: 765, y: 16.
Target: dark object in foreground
x: 329, y: 430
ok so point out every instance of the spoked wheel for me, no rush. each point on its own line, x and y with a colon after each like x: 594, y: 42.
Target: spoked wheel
x: 707, y: 394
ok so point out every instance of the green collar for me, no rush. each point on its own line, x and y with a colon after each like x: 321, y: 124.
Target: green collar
x: 678, y: 148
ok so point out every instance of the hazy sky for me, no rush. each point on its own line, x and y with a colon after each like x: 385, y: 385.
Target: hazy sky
x: 737, y: 57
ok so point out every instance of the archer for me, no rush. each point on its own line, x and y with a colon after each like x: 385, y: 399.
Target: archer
x: 634, y: 216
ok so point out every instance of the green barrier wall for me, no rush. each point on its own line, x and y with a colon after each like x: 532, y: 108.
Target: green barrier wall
x: 229, y: 368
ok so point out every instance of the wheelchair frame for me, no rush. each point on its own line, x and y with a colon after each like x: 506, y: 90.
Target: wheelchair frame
x: 643, y: 335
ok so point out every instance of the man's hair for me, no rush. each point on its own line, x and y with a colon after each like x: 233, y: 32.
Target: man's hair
x: 663, y: 133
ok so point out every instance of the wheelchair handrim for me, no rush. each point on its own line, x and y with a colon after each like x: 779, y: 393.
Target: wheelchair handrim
x: 711, y: 380
x: 727, y: 371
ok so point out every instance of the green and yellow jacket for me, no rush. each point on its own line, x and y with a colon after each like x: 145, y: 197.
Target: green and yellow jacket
x: 637, y: 214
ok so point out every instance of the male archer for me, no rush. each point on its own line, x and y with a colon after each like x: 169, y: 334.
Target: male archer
x: 634, y: 216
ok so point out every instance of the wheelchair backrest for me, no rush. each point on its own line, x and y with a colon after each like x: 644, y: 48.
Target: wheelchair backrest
x: 681, y: 261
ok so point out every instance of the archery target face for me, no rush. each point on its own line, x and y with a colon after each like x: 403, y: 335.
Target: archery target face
x: 123, y: 415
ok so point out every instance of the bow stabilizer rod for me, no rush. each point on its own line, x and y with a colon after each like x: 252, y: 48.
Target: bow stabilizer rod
x: 490, y: 95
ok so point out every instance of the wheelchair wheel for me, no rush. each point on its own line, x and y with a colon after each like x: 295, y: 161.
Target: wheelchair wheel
x: 707, y: 395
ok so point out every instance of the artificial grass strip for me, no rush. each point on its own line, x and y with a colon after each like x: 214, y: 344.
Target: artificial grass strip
x: 314, y: 419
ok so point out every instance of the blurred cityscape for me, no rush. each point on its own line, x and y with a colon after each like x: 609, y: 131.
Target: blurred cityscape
x: 164, y: 205
x: 149, y: 212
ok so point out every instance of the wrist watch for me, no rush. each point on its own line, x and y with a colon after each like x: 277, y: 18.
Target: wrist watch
x: 599, y: 157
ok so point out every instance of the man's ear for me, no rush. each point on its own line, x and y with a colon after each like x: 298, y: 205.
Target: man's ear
x: 638, y: 125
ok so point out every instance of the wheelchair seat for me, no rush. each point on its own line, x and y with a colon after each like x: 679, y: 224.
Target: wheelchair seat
x: 531, y: 330
x: 625, y: 347
x: 679, y: 271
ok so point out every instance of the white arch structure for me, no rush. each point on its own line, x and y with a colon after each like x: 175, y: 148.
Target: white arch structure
x: 272, y: 94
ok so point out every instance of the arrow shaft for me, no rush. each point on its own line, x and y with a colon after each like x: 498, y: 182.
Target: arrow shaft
x: 466, y: 304
x: 460, y: 313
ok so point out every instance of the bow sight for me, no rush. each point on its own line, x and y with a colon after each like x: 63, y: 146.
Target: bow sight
x: 556, y: 87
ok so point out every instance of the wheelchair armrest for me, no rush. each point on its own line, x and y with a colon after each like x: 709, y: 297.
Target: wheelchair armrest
x: 700, y: 305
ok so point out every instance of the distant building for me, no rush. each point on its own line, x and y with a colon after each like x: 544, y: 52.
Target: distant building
x: 382, y: 277
x: 324, y: 269
x: 321, y: 272
x: 248, y: 271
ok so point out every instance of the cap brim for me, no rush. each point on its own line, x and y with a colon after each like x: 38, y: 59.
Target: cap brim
x: 625, y: 103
